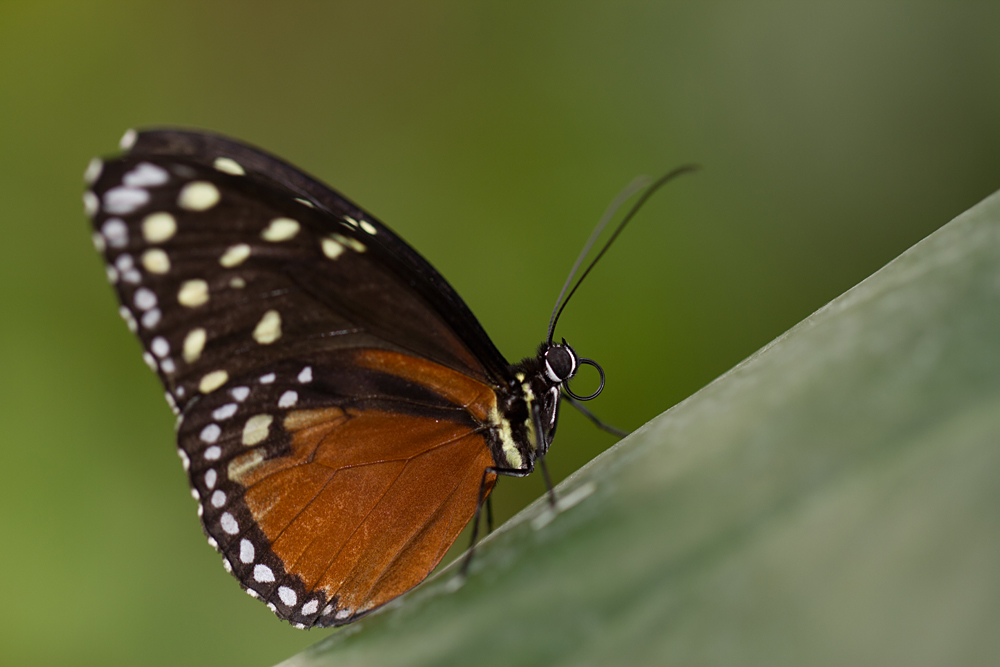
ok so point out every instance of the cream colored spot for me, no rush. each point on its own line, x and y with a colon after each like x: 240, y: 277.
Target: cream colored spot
x: 198, y: 196
x: 90, y: 204
x: 353, y: 244
x: 128, y: 140
x: 268, y: 329
x: 241, y: 465
x: 193, y: 293
x: 194, y: 343
x: 93, y: 172
x: 351, y: 221
x: 256, y: 429
x: 235, y: 255
x: 156, y: 261
x: 332, y: 249
x: 368, y: 227
x: 280, y: 229
x: 229, y: 166
x: 237, y: 283
x: 158, y: 227
x: 306, y: 202
x: 514, y: 459
x: 213, y: 381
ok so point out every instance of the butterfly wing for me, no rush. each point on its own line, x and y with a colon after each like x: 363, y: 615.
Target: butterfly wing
x: 336, y: 396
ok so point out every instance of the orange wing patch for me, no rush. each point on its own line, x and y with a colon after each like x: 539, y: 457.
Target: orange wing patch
x: 368, y: 501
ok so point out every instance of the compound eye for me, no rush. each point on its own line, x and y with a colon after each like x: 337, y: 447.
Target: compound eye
x: 560, y: 363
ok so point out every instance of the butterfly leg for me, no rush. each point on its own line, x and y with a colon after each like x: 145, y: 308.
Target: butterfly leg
x: 483, y: 499
x: 489, y: 514
x: 536, y: 414
x: 592, y: 417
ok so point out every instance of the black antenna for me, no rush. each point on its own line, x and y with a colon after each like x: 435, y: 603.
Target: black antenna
x: 622, y: 197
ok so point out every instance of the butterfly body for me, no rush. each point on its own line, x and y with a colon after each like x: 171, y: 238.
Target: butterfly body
x: 342, y: 415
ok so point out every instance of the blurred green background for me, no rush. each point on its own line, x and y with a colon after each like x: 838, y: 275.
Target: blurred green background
x: 491, y: 136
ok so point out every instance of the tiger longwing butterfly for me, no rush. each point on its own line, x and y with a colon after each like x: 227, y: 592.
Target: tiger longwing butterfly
x: 342, y: 415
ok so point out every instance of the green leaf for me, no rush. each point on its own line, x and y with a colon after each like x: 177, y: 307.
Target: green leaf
x: 835, y: 499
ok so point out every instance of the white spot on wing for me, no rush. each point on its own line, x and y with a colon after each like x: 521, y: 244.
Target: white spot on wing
x: 240, y: 393
x: 235, y: 255
x: 263, y: 574
x: 210, y: 478
x: 225, y: 412
x: 145, y: 175
x: 267, y: 379
x: 228, y: 523
x: 167, y: 365
x: 310, y: 607
x: 193, y: 293
x: 229, y: 166
x: 288, y: 399
x: 247, y: 552
x: 112, y: 274
x: 213, y: 453
x: 256, y: 429
x: 213, y: 381
x: 306, y: 375
x: 305, y: 202
x: 368, y: 227
x: 287, y: 596
x: 124, y: 200
x: 151, y: 318
x: 237, y: 283
x: 198, y: 196
x: 210, y: 434
x: 98, y: 241
x: 124, y: 262
x: 116, y: 232
x: 160, y: 347
x: 158, y: 227
x: 280, y: 229
x: 126, y: 315
x: 144, y: 298
x: 268, y: 329
x: 218, y: 499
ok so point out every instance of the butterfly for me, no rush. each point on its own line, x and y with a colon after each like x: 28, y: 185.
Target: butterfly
x: 341, y: 413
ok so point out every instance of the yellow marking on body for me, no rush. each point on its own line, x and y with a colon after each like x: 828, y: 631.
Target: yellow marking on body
x: 507, y: 444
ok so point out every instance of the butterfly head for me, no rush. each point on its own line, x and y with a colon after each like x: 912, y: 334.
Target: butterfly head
x: 560, y: 362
